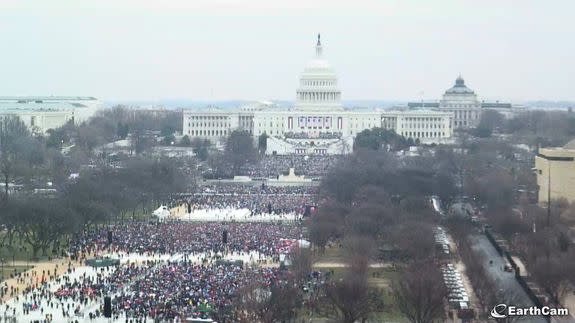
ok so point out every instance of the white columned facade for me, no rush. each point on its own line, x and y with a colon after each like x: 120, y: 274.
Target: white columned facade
x: 317, y: 123
x: 464, y: 104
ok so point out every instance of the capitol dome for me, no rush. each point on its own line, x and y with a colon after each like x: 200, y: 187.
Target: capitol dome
x: 459, y: 87
x: 318, y: 88
x: 316, y: 65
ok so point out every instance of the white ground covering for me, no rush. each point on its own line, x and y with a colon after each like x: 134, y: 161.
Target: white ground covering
x: 247, y: 258
x: 229, y: 214
x: 91, y: 272
x: 56, y: 312
x: 238, y: 215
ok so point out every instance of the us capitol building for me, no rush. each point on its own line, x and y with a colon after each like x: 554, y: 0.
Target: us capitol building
x: 318, y: 123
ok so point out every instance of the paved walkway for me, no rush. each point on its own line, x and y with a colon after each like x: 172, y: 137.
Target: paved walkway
x: 56, y: 267
x: 504, y: 281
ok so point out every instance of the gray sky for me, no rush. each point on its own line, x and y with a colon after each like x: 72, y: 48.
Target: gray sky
x: 255, y: 49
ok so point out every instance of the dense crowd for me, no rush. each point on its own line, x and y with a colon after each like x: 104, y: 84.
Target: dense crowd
x: 272, y: 166
x: 224, y: 188
x: 256, y: 203
x: 154, y: 290
x: 177, y: 287
x: 174, y: 270
x: 259, y: 199
x: 181, y: 289
x: 165, y: 289
x: 266, y: 239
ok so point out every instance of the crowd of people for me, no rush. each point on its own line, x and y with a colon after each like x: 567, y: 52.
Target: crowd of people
x: 177, y: 269
x: 272, y: 166
x: 225, y: 188
x: 259, y: 199
x: 182, y: 289
x: 256, y: 203
x: 265, y: 239
x: 162, y: 289
x: 154, y: 291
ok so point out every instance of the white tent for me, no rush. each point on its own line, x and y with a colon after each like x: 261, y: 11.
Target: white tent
x: 303, y: 243
x: 162, y: 212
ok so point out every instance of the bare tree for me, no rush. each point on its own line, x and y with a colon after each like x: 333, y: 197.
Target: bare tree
x: 239, y: 149
x: 301, y: 263
x: 12, y: 133
x: 277, y: 303
x: 351, y: 295
x: 420, y: 293
x: 321, y: 230
x: 482, y: 284
x: 42, y: 223
x: 415, y: 239
x: 553, y: 275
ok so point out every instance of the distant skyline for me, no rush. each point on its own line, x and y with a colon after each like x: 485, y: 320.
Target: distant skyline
x: 508, y: 50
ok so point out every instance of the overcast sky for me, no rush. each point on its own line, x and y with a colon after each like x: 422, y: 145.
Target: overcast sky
x: 255, y: 49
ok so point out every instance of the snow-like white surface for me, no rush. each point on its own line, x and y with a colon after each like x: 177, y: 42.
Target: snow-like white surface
x: 237, y: 215
x: 206, y: 215
x: 56, y: 310
x: 247, y: 258
x: 92, y: 306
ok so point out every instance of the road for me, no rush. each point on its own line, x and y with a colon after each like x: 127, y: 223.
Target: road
x: 504, y: 281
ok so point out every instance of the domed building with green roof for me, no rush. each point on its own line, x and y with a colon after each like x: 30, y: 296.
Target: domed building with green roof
x: 463, y: 102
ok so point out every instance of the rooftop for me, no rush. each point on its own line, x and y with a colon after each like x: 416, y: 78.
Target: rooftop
x: 459, y: 87
x: 47, y: 98
x: 18, y: 104
x: 39, y: 106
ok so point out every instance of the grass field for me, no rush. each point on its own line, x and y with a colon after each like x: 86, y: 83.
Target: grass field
x: 22, y: 251
x: 378, y: 277
x: 7, y: 270
x: 332, y: 255
x: 381, y: 278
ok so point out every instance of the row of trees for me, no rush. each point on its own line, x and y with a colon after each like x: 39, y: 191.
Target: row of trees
x: 98, y: 196
x: 544, y: 243
x: 99, y: 193
x: 375, y: 202
x: 533, y: 127
x: 281, y: 302
x: 498, y: 177
x: 118, y: 123
x: 385, y: 199
x: 381, y: 139
x: 26, y: 158
x: 377, y: 207
x: 400, y: 178
x: 239, y: 151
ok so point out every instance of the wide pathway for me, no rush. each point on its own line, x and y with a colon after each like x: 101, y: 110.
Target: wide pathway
x: 38, y: 268
x: 504, y: 281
